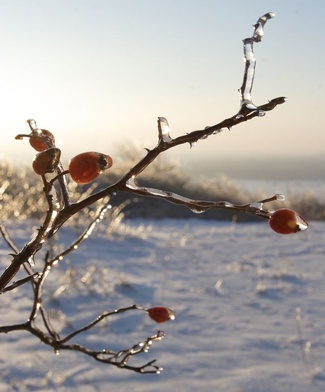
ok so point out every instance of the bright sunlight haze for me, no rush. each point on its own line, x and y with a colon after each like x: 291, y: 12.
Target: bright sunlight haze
x: 98, y: 74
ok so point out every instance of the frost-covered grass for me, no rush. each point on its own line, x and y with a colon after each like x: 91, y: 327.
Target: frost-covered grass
x: 235, y: 289
x: 21, y: 193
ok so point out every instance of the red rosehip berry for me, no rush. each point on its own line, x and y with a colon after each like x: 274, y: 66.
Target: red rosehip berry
x: 86, y: 166
x: 41, y: 140
x: 46, y: 161
x: 285, y: 221
x: 160, y: 314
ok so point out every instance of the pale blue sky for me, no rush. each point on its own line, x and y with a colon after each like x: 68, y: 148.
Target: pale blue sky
x: 98, y: 73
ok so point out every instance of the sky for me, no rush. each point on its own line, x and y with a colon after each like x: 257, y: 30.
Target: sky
x: 98, y: 73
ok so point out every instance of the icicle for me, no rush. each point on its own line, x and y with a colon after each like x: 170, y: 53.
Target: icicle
x: 197, y: 210
x: 163, y: 130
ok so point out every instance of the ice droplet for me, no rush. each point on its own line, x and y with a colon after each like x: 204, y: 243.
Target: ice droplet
x: 197, y: 210
x: 261, y: 113
x: 226, y: 204
x: 280, y: 197
x: 217, y: 131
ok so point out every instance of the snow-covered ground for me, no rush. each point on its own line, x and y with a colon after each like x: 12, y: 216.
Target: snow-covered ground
x: 235, y: 288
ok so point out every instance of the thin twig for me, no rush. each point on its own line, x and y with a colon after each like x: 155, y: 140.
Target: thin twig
x: 8, y: 239
x: 19, y: 282
x: 96, y: 321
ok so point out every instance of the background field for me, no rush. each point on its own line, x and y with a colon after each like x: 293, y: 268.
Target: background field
x: 235, y: 289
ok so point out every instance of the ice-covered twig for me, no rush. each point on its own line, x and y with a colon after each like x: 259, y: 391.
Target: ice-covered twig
x: 199, y: 206
x: 96, y: 321
x: 250, y: 63
x: 19, y: 283
x: 119, y: 359
x: 84, y: 235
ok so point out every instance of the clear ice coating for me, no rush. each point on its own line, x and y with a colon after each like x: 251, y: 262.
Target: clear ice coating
x: 259, y: 26
x: 226, y: 204
x: 33, y: 126
x: 163, y: 129
x: 256, y: 206
x: 250, y: 63
x: 301, y: 224
x: 131, y: 183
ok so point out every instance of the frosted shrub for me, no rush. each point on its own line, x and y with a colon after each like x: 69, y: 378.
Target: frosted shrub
x: 63, y: 198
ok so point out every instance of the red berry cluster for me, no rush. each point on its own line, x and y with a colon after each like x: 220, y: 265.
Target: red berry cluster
x: 83, y: 168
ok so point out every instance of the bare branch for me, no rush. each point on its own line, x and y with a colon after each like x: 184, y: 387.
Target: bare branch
x: 199, y: 206
x: 84, y: 235
x: 97, y: 320
x: 19, y: 283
